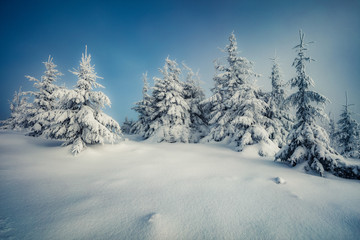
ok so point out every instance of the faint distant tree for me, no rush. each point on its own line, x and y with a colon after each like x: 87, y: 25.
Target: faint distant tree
x: 19, y: 107
x: 126, y: 126
x: 144, y: 108
x: 332, y: 130
x: 348, y: 133
x: 194, y: 95
x: 278, y: 110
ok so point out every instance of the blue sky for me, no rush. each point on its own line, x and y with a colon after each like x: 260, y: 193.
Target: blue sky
x: 127, y: 38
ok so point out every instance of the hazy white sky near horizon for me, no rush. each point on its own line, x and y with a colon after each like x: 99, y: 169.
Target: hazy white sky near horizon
x: 127, y: 39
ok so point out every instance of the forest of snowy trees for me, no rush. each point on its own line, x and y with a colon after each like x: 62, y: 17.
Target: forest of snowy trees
x: 175, y: 109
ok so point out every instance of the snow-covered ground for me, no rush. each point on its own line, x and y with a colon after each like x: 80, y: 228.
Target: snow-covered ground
x: 139, y: 190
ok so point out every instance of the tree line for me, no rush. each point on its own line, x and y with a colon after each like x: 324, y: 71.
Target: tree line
x: 175, y: 109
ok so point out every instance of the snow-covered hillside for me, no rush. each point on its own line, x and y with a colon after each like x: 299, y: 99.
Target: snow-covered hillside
x: 140, y: 190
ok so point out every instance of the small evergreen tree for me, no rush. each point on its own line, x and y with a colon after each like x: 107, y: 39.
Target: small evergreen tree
x: 144, y: 108
x: 238, y: 114
x: 308, y: 142
x: 194, y: 95
x: 19, y: 107
x: 79, y: 119
x: 349, y: 133
x: 44, y: 98
x: 170, y: 118
x: 277, y: 110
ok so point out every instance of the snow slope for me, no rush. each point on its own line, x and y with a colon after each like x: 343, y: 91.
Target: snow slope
x: 140, y: 190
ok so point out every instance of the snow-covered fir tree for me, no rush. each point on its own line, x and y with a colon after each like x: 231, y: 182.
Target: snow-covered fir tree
x: 277, y: 110
x: 126, y: 126
x: 348, y: 133
x: 144, y: 108
x: 19, y: 107
x: 238, y: 111
x: 194, y: 95
x: 170, y: 117
x: 308, y: 142
x: 80, y: 119
x: 44, y: 98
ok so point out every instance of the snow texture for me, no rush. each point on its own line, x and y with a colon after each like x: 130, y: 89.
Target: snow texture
x: 137, y: 190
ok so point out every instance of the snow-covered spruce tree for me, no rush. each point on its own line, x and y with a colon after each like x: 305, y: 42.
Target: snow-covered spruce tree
x: 126, y: 126
x: 144, y: 108
x: 194, y: 95
x: 348, y: 133
x: 308, y: 142
x: 170, y: 118
x: 238, y: 114
x: 79, y: 119
x: 277, y: 110
x: 19, y: 107
x: 44, y: 99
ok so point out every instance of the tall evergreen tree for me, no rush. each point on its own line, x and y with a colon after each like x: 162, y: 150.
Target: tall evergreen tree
x: 308, y: 142
x: 44, y: 98
x: 170, y: 118
x: 349, y: 133
x: 238, y: 113
x: 79, y: 119
x: 194, y: 95
x: 277, y: 110
x: 144, y: 108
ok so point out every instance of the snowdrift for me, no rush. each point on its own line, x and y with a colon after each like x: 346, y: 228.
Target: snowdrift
x: 140, y: 190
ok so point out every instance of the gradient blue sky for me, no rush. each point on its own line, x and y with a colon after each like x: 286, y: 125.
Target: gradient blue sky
x: 127, y: 38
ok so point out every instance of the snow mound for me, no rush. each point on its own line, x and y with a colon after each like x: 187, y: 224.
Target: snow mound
x: 153, y: 217
x: 279, y: 180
